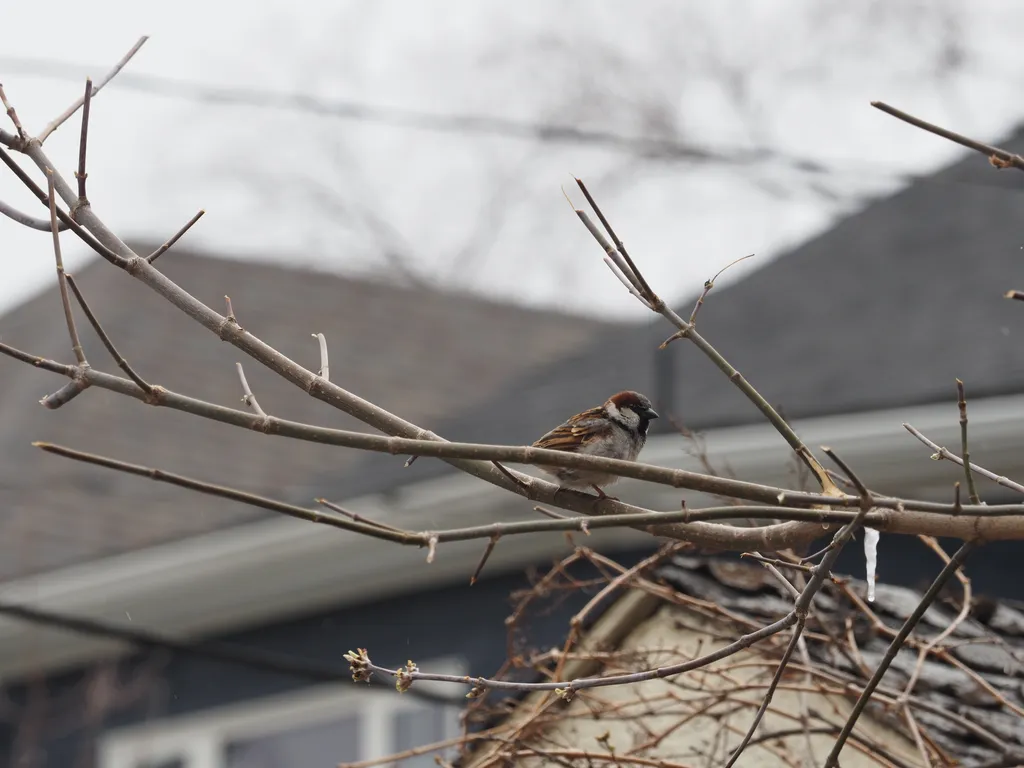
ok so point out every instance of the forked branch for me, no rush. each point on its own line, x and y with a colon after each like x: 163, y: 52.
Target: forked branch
x: 626, y: 270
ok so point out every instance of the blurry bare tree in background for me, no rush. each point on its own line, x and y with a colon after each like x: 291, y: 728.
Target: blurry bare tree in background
x: 512, y: 100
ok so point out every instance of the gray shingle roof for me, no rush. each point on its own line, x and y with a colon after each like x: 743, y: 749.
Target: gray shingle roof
x: 426, y: 354
x: 988, y: 646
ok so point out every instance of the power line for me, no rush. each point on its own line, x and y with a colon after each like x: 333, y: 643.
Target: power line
x: 252, y: 658
x: 655, y: 148
x: 484, y: 125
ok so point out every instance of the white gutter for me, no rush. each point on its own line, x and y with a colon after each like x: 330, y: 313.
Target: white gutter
x: 274, y: 569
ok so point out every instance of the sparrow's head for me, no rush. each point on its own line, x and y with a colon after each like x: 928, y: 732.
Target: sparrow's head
x: 630, y: 409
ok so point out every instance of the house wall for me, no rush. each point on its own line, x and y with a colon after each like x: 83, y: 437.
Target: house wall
x: 700, y: 717
x: 457, y: 621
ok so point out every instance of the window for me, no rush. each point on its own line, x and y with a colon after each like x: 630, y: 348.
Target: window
x: 318, y: 726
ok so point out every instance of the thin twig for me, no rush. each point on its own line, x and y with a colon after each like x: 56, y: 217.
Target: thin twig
x: 803, y: 602
x: 177, y: 235
x: 310, y: 515
x: 865, y: 495
x: 59, y: 120
x: 945, y: 453
x: 686, y: 330
x: 567, y: 688
x: 757, y: 556
x: 509, y: 474
x: 961, y: 402
x: 805, y: 711
x: 325, y: 368
x: 644, y: 288
x: 613, y: 258
x: 356, y: 516
x: 550, y: 513
x: 786, y: 583
x: 767, y: 700
x: 709, y: 284
x: 815, y: 555
x: 1000, y: 158
x: 76, y: 344
x: 492, y: 542
x: 619, y: 275
x: 1018, y: 295
x: 965, y: 610
x: 801, y: 609
x: 866, y: 499
x: 83, y: 143
x: 437, y: 746
x: 12, y: 114
x: 63, y: 396
x: 121, y: 362
x: 897, y: 642
x: 74, y: 226
x: 247, y: 396
x: 911, y: 721
x: 42, y: 225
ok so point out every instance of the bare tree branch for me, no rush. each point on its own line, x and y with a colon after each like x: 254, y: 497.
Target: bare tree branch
x: 310, y: 515
x: 362, y: 667
x: 29, y: 221
x: 965, y: 610
x: 59, y: 120
x: 944, y: 453
x: 908, y: 626
x: 629, y: 270
x: 80, y: 174
x: 177, y: 235
x: 121, y: 362
x: 709, y: 284
x: 76, y: 344
x: 491, y: 543
x: 355, y: 516
x: 972, y: 491
x: 247, y: 396
x: 767, y: 700
x: 66, y: 194
x: 325, y: 368
x: 807, y: 514
x: 914, y: 516
x: 583, y: 524
x: 1000, y: 158
x: 12, y: 114
x: 122, y: 256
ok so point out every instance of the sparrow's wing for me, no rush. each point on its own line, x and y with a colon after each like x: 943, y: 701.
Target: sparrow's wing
x: 576, y: 432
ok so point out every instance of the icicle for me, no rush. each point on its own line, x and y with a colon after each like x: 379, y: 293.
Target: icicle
x: 871, y: 559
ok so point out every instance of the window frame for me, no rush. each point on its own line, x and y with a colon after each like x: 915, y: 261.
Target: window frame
x: 201, y: 737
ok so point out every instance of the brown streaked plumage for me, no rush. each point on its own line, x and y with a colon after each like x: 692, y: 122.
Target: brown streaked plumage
x: 617, y: 429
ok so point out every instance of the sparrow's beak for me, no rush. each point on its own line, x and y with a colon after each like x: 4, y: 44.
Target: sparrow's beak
x: 650, y: 413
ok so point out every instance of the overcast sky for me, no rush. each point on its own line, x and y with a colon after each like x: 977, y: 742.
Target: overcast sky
x: 789, y: 84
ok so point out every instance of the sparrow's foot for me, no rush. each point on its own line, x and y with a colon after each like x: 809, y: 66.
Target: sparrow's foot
x: 601, y: 494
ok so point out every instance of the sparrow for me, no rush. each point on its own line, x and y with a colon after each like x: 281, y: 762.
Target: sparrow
x: 616, y: 430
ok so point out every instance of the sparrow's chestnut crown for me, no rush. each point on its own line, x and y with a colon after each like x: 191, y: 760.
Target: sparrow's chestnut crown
x: 636, y: 402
